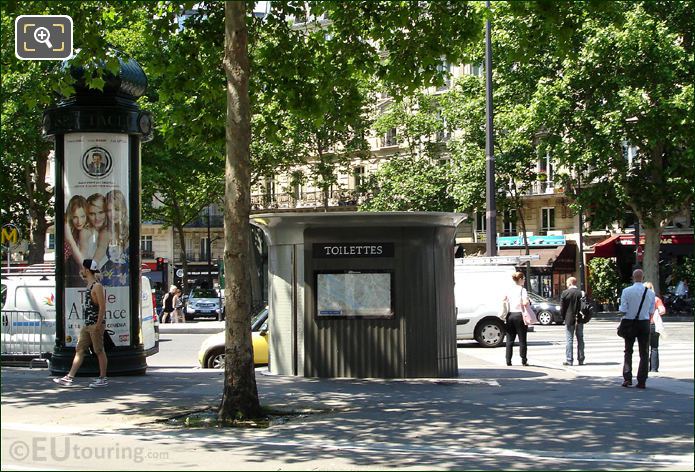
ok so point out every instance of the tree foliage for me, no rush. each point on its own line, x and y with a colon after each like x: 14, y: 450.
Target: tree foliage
x: 409, y: 183
x: 604, y: 279
x: 30, y: 86
x: 628, y: 83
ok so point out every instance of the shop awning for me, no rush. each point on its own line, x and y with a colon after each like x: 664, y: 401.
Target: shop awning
x: 607, y: 247
x: 549, y: 256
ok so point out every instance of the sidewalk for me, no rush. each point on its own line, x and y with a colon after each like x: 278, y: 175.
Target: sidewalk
x: 487, y: 418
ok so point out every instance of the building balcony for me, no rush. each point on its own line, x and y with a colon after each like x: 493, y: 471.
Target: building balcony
x: 280, y: 201
x: 146, y: 254
x: 543, y: 188
x: 216, y: 221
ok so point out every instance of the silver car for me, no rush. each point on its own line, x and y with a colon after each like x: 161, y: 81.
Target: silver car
x: 203, y: 302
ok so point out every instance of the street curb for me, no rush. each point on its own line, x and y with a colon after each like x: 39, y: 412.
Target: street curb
x: 617, y: 316
x: 210, y: 327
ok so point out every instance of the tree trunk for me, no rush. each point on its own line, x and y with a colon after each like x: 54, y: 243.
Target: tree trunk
x: 650, y: 260
x: 240, y: 396
x: 36, y: 186
x: 527, y: 249
x: 37, y: 241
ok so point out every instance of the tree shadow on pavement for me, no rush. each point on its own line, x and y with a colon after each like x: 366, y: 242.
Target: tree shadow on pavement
x: 488, y: 418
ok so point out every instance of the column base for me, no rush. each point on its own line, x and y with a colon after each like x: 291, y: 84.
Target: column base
x: 122, y: 361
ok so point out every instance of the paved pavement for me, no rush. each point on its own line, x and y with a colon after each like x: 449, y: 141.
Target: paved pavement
x: 491, y: 417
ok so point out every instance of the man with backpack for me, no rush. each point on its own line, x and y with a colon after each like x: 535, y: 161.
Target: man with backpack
x: 168, y: 304
x: 570, y: 308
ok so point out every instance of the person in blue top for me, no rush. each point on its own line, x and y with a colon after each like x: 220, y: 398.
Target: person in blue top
x: 637, y: 302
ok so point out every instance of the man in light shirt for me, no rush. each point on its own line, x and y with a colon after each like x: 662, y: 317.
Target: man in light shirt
x: 630, y: 301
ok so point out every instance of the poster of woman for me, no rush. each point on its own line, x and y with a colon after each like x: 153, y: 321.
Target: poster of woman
x: 95, y: 182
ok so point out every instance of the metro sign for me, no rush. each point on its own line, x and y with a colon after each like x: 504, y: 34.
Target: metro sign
x: 10, y: 235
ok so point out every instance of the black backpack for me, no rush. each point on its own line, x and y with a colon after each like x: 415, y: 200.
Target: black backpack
x: 587, y: 310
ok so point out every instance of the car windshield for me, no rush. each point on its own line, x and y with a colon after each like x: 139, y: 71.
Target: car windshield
x: 203, y: 293
x: 259, y: 319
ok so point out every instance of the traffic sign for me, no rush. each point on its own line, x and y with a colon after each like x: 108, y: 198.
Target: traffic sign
x: 11, y: 236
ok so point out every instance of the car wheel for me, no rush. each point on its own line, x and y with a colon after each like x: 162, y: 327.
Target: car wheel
x: 216, y: 360
x: 545, y: 317
x: 490, y: 333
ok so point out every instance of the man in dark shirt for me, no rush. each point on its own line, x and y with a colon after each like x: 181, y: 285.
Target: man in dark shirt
x: 571, y: 303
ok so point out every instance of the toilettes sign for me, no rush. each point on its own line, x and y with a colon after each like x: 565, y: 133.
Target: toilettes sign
x: 343, y: 250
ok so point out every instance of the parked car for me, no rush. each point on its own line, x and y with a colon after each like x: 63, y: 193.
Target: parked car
x: 203, y: 302
x: 547, y: 310
x: 211, y: 354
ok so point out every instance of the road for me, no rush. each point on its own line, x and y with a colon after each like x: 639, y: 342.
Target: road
x: 603, y: 350
x: 545, y: 416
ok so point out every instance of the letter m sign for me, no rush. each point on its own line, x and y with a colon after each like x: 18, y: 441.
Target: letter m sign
x: 10, y: 235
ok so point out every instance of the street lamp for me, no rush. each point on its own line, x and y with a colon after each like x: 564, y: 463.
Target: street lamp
x: 207, y: 251
x: 491, y: 209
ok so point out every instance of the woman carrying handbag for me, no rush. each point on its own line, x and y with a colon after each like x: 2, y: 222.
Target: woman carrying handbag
x: 656, y: 330
x: 515, y: 324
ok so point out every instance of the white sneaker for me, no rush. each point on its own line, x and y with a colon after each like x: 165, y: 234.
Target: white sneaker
x: 100, y: 382
x: 64, y: 381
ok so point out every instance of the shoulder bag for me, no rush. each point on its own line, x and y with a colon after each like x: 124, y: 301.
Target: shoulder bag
x: 504, y: 310
x: 528, y: 314
x: 628, y: 327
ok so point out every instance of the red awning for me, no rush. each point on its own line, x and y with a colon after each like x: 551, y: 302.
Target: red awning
x: 606, y: 248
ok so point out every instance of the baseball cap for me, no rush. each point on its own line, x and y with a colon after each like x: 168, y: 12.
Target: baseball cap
x: 90, y: 264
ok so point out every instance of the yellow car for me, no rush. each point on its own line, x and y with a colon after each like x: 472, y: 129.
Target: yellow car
x: 211, y: 354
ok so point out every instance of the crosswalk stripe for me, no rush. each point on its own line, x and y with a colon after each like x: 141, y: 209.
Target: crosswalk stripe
x: 675, y: 358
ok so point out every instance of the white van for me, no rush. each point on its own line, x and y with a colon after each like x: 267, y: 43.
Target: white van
x: 34, y: 291
x: 148, y: 329
x: 28, y: 294
x: 479, y: 287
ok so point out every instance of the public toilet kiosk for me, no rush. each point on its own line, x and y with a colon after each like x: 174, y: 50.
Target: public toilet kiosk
x: 362, y: 295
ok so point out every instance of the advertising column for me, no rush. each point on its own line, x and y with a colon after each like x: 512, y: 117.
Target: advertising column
x: 97, y: 147
x: 96, y: 194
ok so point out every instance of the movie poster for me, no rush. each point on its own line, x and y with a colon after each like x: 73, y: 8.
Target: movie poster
x: 95, y: 182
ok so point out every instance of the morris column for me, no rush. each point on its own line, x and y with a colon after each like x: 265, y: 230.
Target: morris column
x: 97, y: 148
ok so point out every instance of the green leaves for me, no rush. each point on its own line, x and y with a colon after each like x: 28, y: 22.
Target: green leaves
x: 409, y: 184
x: 626, y: 84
